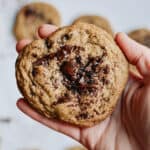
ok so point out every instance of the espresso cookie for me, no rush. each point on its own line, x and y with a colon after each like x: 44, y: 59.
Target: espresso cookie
x: 141, y: 36
x: 31, y: 16
x: 76, y: 75
x: 96, y: 20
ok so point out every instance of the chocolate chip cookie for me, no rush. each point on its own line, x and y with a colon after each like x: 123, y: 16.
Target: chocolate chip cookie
x: 96, y: 20
x: 31, y: 16
x: 77, y: 148
x: 75, y: 75
x: 141, y: 36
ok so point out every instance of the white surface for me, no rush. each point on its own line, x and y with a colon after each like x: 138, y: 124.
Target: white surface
x: 23, y: 132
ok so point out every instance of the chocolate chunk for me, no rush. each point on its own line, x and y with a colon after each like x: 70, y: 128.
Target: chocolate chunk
x: 65, y: 37
x: 83, y: 116
x: 34, y: 72
x: 63, y: 52
x: 78, y: 59
x: 34, y: 55
x: 97, y: 113
x: 42, y: 61
x: 82, y: 80
x: 48, y: 43
x: 30, y: 12
x: 106, y: 69
x: 104, y: 81
x: 89, y: 73
x: 68, y: 69
x: 102, y: 47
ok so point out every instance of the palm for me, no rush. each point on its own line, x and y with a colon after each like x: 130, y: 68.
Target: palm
x: 119, y: 131
x: 123, y: 122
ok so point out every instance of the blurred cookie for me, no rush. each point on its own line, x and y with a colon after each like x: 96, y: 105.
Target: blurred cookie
x: 141, y: 35
x: 76, y: 75
x: 31, y: 16
x: 77, y: 148
x: 96, y: 20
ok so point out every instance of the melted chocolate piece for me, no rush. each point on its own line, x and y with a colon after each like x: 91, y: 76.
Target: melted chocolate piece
x: 30, y: 12
x: 34, y: 55
x: 65, y: 37
x: 104, y: 81
x: 62, y: 53
x: 42, y: 61
x: 48, y: 43
x: 34, y: 72
x: 97, y: 113
x: 78, y: 59
x: 82, y: 80
x: 83, y: 116
x: 68, y: 69
x: 78, y: 77
x: 106, y: 69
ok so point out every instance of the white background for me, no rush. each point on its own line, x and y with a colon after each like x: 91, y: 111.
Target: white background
x: 22, y: 133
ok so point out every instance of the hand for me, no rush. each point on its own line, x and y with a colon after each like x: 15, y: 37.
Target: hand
x: 128, y: 128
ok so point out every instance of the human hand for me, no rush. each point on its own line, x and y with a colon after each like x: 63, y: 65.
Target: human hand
x: 129, y: 126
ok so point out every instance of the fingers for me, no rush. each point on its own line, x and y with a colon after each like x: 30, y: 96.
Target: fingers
x: 45, y: 30
x: 64, y: 128
x: 21, y: 44
x: 137, y: 54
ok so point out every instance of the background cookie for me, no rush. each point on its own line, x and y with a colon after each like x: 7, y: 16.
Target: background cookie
x: 77, y: 148
x: 96, y: 20
x: 31, y: 16
x: 141, y: 36
x: 76, y: 75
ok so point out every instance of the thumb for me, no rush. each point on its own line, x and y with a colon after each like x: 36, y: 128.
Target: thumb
x: 136, y: 54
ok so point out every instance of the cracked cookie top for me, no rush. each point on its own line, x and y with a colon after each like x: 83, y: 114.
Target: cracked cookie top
x: 75, y: 75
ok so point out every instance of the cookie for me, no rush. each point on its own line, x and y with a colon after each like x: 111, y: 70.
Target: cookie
x: 31, y: 16
x: 141, y: 36
x: 75, y: 75
x: 77, y: 148
x: 96, y: 20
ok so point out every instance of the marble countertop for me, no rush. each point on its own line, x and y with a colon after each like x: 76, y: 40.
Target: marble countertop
x: 17, y: 131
